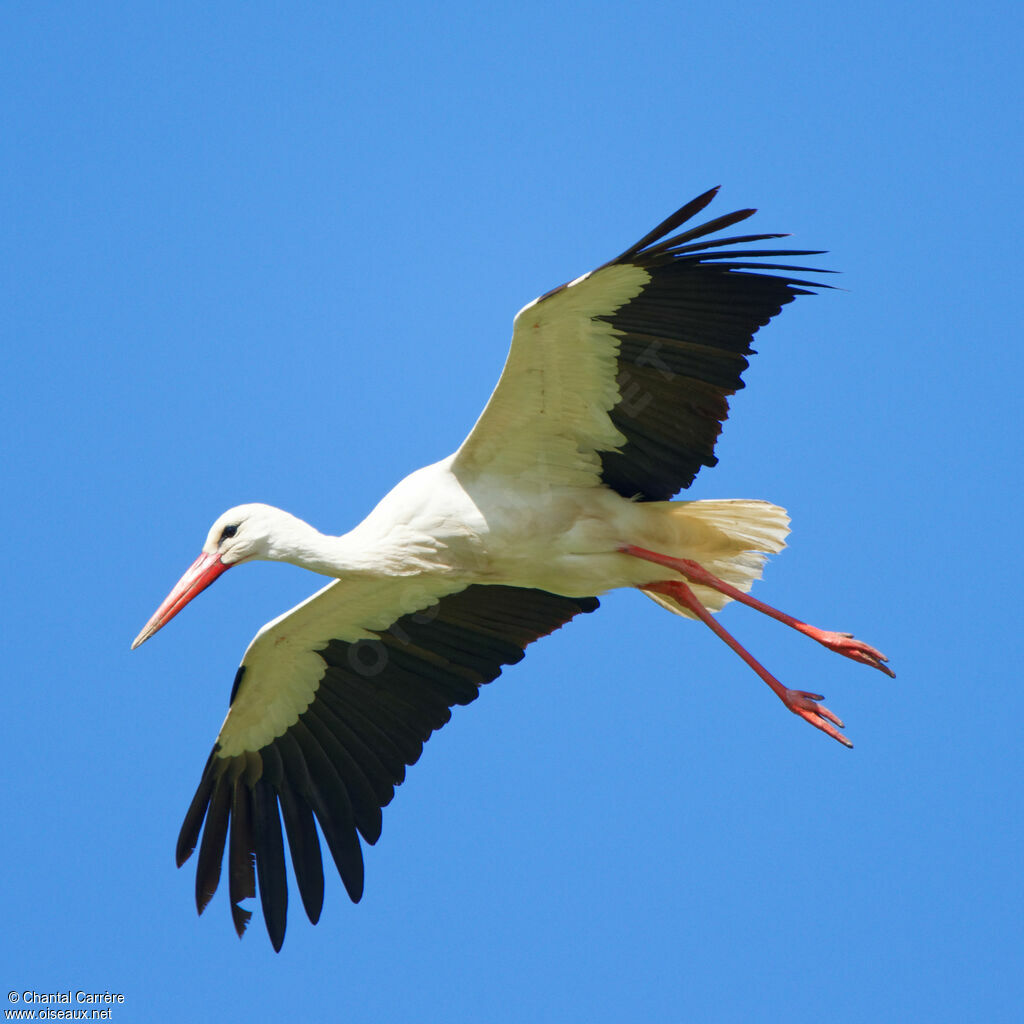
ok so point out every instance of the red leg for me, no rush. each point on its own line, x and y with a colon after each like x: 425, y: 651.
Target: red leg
x: 798, y: 701
x: 841, y: 643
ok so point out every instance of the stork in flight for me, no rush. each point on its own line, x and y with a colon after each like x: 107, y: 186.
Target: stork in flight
x: 611, y: 400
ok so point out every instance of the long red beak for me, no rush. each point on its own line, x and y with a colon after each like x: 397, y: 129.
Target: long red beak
x: 201, y: 573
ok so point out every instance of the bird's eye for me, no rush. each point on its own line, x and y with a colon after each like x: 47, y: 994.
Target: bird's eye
x: 228, y: 531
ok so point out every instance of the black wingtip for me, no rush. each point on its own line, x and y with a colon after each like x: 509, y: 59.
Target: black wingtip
x: 669, y: 224
x: 240, y: 917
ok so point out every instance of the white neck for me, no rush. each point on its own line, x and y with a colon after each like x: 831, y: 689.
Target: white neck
x: 302, y: 545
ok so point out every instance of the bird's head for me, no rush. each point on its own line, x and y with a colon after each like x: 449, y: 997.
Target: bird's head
x: 241, y: 534
x: 244, y: 533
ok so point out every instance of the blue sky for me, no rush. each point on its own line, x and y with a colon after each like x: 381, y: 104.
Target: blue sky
x: 271, y: 252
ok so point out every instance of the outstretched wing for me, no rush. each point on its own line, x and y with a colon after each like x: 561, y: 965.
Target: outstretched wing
x: 331, y: 703
x: 623, y: 375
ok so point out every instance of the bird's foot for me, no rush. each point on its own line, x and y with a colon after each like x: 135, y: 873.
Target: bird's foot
x: 806, y: 705
x: 849, y: 647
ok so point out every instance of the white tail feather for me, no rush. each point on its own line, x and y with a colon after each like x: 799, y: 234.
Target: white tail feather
x: 731, y: 539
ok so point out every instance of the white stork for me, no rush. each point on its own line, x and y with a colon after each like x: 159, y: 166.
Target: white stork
x: 611, y: 400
